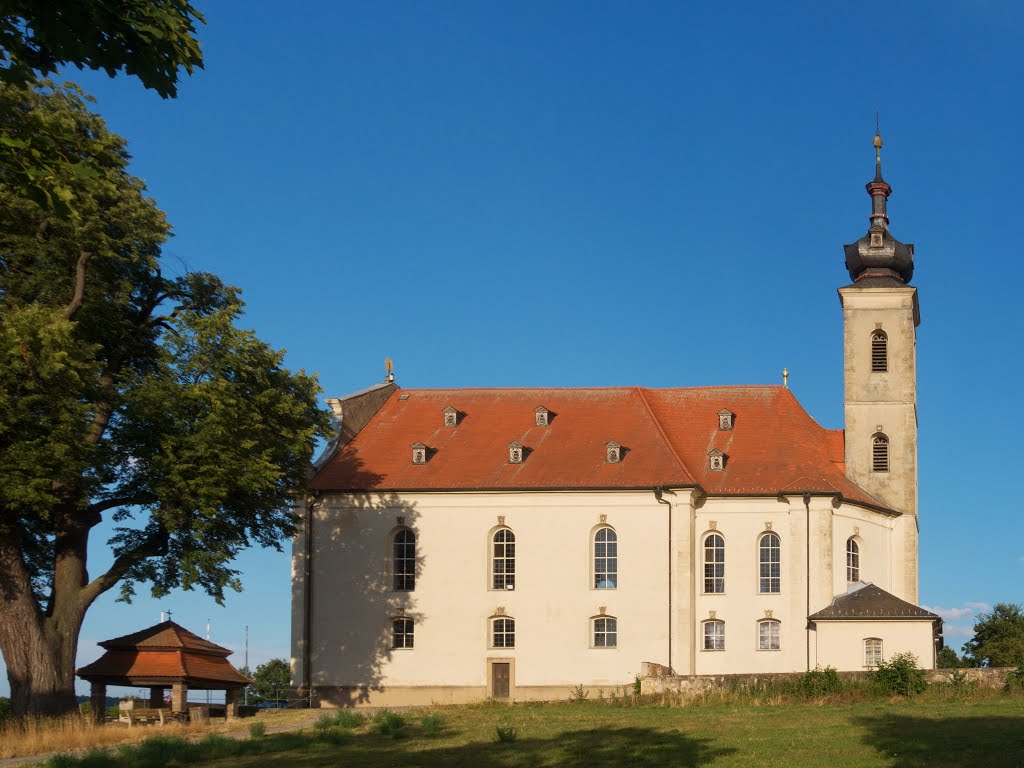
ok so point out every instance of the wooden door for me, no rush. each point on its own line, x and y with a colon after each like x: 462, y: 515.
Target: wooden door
x: 500, y: 679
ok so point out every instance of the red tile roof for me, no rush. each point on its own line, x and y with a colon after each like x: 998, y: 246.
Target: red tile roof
x: 163, y: 652
x: 167, y: 634
x: 666, y: 434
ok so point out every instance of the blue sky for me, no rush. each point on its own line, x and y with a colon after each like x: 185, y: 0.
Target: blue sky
x: 581, y: 193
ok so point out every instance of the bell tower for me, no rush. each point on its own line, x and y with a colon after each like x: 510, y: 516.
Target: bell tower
x: 880, y: 319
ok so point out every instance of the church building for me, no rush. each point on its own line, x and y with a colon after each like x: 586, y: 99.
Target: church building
x: 459, y: 544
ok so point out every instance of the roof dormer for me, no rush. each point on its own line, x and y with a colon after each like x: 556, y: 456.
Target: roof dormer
x: 612, y: 452
x: 419, y: 453
x: 451, y: 416
x: 541, y: 416
x: 716, y: 460
x: 515, y: 452
x: 725, y: 418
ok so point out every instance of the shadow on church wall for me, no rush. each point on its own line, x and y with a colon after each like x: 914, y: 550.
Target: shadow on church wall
x: 353, y: 597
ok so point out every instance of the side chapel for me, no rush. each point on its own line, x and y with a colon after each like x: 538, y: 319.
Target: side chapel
x: 514, y: 543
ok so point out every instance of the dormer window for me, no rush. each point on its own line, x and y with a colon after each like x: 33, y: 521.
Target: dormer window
x: 419, y: 453
x: 725, y: 418
x: 717, y: 460
x: 612, y: 452
x: 451, y: 416
x: 515, y: 452
x: 542, y: 416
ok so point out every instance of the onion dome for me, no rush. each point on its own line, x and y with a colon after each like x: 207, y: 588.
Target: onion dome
x: 878, y: 258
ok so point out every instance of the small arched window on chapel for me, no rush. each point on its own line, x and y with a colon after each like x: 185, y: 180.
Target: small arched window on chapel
x: 879, y: 453
x: 852, y: 560
x: 403, y: 561
x: 879, y: 352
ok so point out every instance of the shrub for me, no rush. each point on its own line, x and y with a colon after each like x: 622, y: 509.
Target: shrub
x: 346, y: 718
x: 5, y: 708
x: 432, y: 725
x: 900, y: 675
x: 389, y: 723
x: 578, y: 693
x: 507, y: 734
x: 637, y: 686
x: 820, y: 682
x: 257, y: 730
x: 1015, y: 681
x: 323, y: 725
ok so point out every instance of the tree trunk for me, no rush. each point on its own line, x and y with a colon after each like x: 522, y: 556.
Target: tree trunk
x: 39, y: 651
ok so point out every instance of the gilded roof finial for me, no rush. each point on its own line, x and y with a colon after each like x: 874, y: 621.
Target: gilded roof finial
x: 877, y: 142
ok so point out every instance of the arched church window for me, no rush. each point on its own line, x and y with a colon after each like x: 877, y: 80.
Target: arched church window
x: 769, y: 635
x: 852, y: 560
x: 872, y: 652
x: 606, y: 559
x: 770, y: 563
x: 879, y: 352
x: 503, y: 633
x: 880, y: 453
x: 403, y: 561
x: 401, y: 633
x: 714, y: 635
x: 714, y: 563
x: 503, y: 560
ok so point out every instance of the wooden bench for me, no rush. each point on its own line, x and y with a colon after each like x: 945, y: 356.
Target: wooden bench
x: 135, y: 716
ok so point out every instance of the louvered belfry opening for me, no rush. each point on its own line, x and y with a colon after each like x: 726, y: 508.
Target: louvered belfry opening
x: 879, y: 352
x: 880, y: 453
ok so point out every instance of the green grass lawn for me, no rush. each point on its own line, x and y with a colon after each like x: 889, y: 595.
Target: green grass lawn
x: 983, y: 731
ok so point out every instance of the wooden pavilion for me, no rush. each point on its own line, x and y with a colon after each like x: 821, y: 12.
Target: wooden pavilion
x: 164, y: 656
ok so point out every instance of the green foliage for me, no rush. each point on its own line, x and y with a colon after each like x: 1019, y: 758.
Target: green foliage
x: 578, y: 693
x: 5, y: 709
x: 271, y: 681
x: 1015, y: 681
x: 257, y: 730
x: 947, y: 659
x: 323, y: 725
x: 900, y: 675
x: 346, y: 718
x: 388, y: 723
x: 820, y: 682
x: 998, y: 638
x: 506, y: 734
x: 126, y: 393
x: 150, y: 39
x: 637, y: 686
x: 431, y: 725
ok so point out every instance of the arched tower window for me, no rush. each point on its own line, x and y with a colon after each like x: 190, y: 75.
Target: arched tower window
x: 606, y: 559
x: 769, y: 563
x: 503, y: 560
x: 852, y: 560
x: 879, y: 352
x: 403, y: 561
x: 879, y: 453
x: 714, y: 563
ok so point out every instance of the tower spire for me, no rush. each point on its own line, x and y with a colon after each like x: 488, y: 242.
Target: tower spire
x: 878, y: 256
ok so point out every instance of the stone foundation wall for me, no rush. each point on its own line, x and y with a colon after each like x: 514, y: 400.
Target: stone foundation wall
x: 654, y: 678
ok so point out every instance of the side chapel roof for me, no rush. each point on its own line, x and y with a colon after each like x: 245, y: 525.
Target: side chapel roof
x: 870, y: 602
x: 666, y: 434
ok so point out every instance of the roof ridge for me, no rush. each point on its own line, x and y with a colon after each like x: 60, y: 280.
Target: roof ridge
x: 612, y: 387
x: 664, y: 437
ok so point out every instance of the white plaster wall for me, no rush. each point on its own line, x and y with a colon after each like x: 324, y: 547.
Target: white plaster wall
x: 841, y: 643
x: 553, y: 602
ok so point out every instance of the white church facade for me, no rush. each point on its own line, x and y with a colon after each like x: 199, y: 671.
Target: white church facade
x: 459, y: 544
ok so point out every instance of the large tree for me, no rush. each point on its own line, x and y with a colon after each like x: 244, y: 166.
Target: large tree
x: 998, y: 638
x: 125, y: 394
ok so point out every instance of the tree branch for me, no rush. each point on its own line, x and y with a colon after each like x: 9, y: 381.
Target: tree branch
x: 76, y: 300
x: 124, y: 501
x: 155, y: 544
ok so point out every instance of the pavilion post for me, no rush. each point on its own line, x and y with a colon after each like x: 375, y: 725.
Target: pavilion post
x: 98, y: 702
x: 156, y: 696
x: 179, y: 697
x: 231, y: 703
